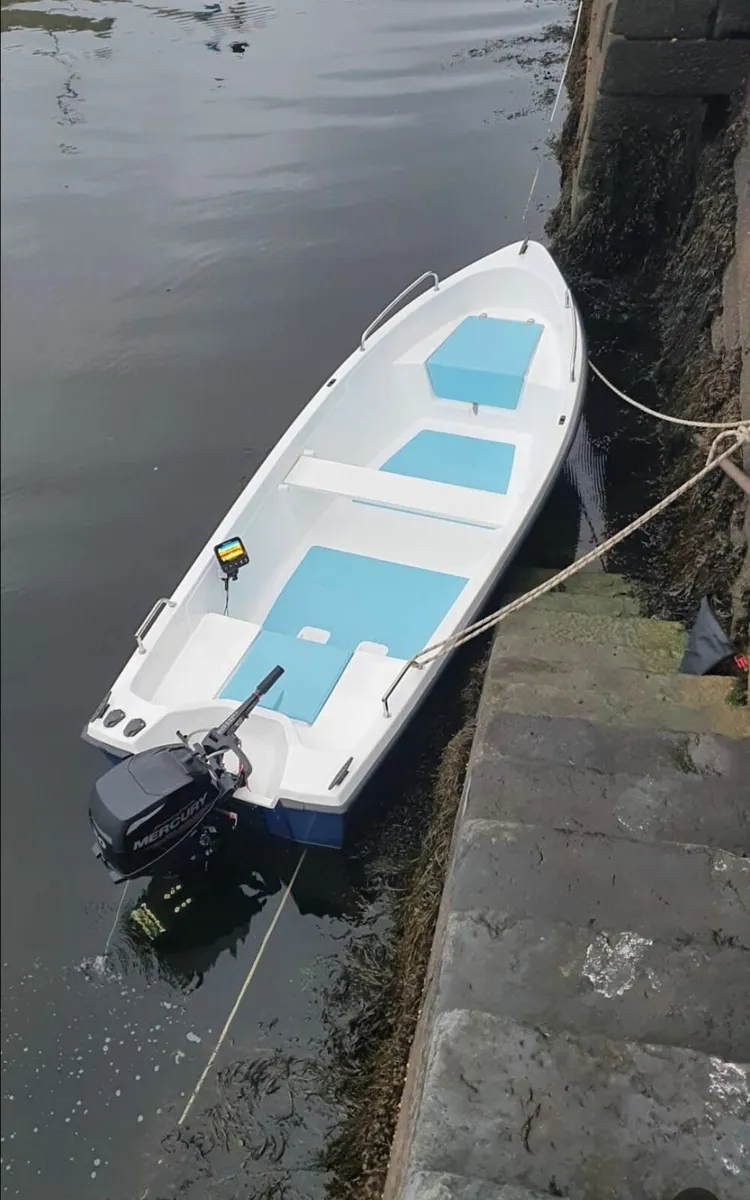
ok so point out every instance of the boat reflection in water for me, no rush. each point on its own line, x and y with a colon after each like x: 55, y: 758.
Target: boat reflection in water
x: 183, y: 924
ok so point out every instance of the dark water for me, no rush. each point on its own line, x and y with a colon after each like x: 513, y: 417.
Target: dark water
x: 193, y: 238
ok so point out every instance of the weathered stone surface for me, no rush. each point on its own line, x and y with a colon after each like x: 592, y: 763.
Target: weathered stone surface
x: 663, y: 18
x: 629, y: 126
x: 589, y: 583
x: 580, y: 1116
x: 537, y: 640
x: 616, y: 117
x: 732, y: 19
x: 659, y: 643
x: 677, y: 702
x: 603, y: 606
x: 429, y: 1185
x: 589, y: 746
x: 668, y: 806
x: 742, y: 254
x: 588, y: 998
x: 616, y: 983
x: 674, y: 68
x: 659, y: 890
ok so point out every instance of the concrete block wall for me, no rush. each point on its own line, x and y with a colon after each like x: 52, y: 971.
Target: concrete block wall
x: 653, y: 66
x: 683, y: 19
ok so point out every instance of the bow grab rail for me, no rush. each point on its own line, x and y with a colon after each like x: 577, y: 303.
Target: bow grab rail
x: 395, y: 303
x: 146, y: 624
x: 569, y: 304
x: 404, y: 670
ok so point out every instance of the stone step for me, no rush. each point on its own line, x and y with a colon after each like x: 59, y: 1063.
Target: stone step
x: 581, y: 602
x: 634, y: 642
x: 668, y: 806
x: 622, y: 985
x: 431, y: 1185
x: 615, y: 750
x: 614, y: 696
x: 659, y: 890
x: 565, y: 637
x: 578, y: 1116
x: 590, y: 583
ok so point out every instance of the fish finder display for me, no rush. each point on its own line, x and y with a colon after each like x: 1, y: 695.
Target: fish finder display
x: 231, y: 555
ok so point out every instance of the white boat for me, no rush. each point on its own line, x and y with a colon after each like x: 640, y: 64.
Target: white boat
x: 378, y: 524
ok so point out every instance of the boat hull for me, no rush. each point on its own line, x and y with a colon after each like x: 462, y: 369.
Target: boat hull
x: 381, y: 523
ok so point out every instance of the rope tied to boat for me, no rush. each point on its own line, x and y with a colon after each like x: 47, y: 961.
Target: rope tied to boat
x: 729, y: 426
x: 739, y: 431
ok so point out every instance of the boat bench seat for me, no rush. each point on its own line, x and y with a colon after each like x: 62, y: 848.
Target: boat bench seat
x: 449, y: 501
x: 484, y: 361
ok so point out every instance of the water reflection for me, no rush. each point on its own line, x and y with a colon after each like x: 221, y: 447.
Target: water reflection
x: 35, y: 17
x: 225, y: 21
x: 180, y: 927
x: 585, y: 470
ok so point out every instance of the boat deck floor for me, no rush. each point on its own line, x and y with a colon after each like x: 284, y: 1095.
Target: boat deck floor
x: 470, y: 462
x: 365, y: 588
x: 334, y: 604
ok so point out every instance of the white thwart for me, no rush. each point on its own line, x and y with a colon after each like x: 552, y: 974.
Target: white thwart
x: 401, y: 492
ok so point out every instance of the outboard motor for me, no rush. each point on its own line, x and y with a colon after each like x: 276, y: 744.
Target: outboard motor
x: 156, y: 810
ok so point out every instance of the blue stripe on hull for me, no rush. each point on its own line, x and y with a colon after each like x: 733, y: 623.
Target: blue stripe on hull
x: 305, y: 826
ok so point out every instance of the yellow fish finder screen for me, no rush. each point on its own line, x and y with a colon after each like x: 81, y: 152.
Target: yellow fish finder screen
x: 231, y: 555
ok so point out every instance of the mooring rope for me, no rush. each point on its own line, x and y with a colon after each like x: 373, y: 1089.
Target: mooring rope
x: 117, y: 918
x: 729, y: 426
x: 246, y: 984
x: 741, y: 432
x: 558, y: 97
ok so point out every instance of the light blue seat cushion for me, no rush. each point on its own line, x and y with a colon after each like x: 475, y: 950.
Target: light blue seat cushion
x: 484, y: 361
x: 451, y: 458
x: 311, y: 671
x: 361, y: 599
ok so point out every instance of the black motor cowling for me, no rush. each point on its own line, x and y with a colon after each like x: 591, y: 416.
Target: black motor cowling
x: 148, y: 805
x: 153, y: 807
